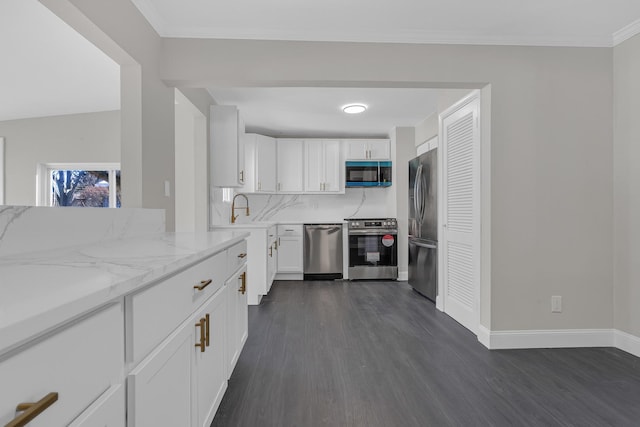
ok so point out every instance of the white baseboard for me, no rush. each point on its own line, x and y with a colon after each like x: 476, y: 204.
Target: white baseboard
x: 403, y: 276
x: 484, y: 336
x: 627, y: 342
x: 559, y: 338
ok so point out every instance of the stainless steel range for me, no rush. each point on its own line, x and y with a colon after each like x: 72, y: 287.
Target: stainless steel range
x: 373, y: 248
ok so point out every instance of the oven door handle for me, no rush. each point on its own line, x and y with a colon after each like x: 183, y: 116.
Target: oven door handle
x: 372, y: 232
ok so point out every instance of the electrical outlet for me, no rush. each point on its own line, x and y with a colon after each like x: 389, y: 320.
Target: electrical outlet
x: 556, y: 304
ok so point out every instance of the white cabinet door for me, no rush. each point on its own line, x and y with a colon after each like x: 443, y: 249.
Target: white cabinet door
x: 237, y: 317
x: 357, y: 149
x: 210, y: 369
x: 225, y: 147
x: 333, y: 167
x: 265, y: 161
x: 290, y: 254
x: 250, y: 154
x: 368, y: 149
x: 290, y: 154
x: 323, y: 166
x: 313, y: 165
x: 272, y: 251
x: 159, y: 388
x: 379, y: 149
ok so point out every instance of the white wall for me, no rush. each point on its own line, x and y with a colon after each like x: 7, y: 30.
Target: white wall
x: 404, y: 138
x: 551, y: 151
x: 74, y: 138
x: 626, y: 64
x: 191, y: 185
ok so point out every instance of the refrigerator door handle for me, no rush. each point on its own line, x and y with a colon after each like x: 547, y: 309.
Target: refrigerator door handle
x: 423, y: 245
x: 417, y: 202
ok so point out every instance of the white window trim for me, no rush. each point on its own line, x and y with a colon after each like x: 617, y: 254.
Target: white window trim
x: 1, y: 170
x: 43, y: 183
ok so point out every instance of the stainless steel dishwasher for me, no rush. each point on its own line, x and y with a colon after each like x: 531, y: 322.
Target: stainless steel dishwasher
x: 322, y: 251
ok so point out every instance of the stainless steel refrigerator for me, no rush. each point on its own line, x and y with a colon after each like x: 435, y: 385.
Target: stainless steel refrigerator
x: 423, y: 224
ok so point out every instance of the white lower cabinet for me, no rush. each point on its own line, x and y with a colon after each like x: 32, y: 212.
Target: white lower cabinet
x: 78, y: 362
x: 237, y: 317
x: 290, y: 248
x: 159, y: 388
x: 155, y: 357
x: 182, y: 381
x: 209, y: 370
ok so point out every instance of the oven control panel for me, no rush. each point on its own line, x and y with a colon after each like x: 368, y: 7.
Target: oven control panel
x: 387, y: 223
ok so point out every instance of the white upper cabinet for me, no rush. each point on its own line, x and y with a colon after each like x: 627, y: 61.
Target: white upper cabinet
x: 323, y: 166
x: 333, y: 167
x: 290, y: 153
x: 226, y: 147
x: 260, y: 164
x: 265, y: 166
x: 368, y: 149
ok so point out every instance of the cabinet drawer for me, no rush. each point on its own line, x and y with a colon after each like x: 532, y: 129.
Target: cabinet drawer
x: 79, y: 362
x: 290, y: 230
x: 236, y: 257
x: 158, y: 310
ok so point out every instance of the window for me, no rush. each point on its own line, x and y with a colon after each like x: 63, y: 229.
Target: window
x: 79, y: 184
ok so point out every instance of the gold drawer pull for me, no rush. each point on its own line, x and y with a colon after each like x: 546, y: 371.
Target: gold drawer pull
x: 203, y: 284
x: 243, y: 286
x: 32, y: 410
x: 242, y: 255
x: 207, y: 336
x: 203, y: 338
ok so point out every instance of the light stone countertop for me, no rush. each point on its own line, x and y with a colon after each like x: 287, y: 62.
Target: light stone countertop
x: 40, y: 290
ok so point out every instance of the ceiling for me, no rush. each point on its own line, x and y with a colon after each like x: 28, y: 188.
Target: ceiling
x: 539, y: 22
x: 317, y: 112
x: 48, y: 68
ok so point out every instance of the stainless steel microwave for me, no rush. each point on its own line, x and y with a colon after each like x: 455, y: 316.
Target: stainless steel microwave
x: 368, y: 174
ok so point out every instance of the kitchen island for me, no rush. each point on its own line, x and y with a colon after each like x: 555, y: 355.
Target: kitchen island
x: 162, y: 316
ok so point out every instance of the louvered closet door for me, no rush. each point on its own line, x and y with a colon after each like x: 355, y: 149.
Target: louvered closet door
x: 461, y: 214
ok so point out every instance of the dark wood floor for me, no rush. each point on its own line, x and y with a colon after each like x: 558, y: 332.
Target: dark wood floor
x: 378, y: 354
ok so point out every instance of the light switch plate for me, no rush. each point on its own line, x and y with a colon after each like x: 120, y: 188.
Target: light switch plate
x: 556, y: 304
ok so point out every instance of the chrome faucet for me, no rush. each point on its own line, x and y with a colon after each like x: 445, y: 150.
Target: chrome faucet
x: 233, y: 208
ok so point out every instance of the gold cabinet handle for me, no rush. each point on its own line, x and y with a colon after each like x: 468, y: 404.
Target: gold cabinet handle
x: 203, y: 284
x: 242, y: 176
x: 279, y: 242
x: 242, y: 255
x: 271, y: 250
x: 203, y: 338
x: 207, y: 336
x: 243, y: 286
x: 32, y: 410
x: 275, y: 245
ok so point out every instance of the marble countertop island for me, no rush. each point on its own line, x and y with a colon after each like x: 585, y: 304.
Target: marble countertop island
x: 41, y: 290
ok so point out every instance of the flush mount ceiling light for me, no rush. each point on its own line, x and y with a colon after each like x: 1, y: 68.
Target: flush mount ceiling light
x: 354, y: 108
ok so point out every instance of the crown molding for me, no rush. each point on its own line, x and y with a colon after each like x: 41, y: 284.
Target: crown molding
x: 626, y: 33
x: 409, y: 37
